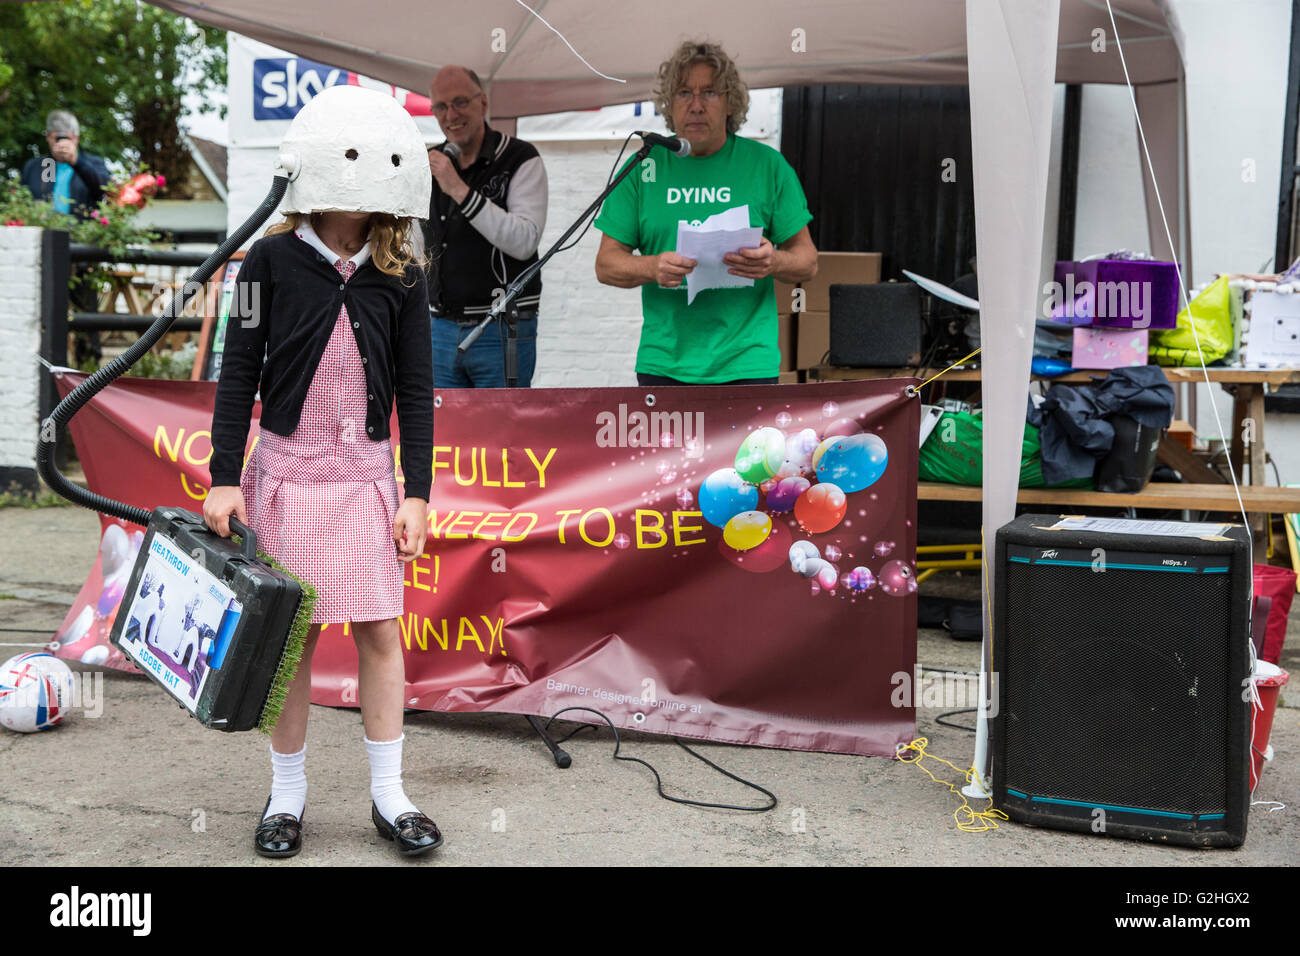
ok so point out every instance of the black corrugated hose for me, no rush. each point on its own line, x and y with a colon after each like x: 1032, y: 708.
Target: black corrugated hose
x: 83, y: 393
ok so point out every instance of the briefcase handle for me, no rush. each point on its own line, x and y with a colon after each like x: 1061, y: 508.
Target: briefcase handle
x: 249, y: 543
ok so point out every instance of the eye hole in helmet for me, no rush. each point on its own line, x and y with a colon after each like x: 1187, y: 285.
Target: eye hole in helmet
x: 351, y: 154
x: 397, y: 160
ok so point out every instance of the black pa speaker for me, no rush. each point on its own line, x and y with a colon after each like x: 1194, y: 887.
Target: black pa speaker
x: 1121, y: 665
x: 877, y: 325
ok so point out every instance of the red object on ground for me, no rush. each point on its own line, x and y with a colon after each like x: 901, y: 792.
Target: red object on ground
x: 1278, y: 584
x: 1262, y: 720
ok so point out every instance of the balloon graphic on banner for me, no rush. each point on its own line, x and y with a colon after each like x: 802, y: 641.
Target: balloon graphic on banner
x: 768, y: 556
x: 785, y: 493
x: 724, y: 495
x: 747, y: 530
x: 801, y: 552
x: 799, y: 449
x: 860, y: 579
x: 845, y: 426
x: 897, y: 578
x: 761, y: 454
x: 821, y: 507
x: 854, y: 462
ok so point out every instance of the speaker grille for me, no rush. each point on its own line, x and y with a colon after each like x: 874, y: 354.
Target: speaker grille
x: 1128, y: 709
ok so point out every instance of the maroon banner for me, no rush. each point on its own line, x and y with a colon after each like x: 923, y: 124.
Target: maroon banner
x: 735, y: 564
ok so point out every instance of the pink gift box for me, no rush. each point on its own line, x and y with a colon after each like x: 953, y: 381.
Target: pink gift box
x: 1109, y: 348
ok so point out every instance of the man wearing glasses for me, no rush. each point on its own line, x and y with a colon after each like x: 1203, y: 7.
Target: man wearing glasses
x: 486, y: 217
x: 726, y: 336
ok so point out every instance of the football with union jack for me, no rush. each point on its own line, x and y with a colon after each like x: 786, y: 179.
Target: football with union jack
x: 35, y: 692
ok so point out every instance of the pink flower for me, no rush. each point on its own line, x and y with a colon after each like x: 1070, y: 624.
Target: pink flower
x: 14, y: 222
x: 162, y: 181
x: 103, y: 220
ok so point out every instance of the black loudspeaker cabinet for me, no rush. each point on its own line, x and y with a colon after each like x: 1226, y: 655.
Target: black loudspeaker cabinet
x: 1121, y: 666
x: 877, y: 325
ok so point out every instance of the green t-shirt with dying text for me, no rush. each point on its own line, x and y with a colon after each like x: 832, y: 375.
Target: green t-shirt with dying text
x: 724, y: 334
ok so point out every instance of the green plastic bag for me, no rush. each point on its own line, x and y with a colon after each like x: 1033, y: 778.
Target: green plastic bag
x: 954, y: 453
x: 1214, y: 326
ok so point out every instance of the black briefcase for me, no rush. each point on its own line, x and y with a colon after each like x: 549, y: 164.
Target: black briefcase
x: 215, y: 626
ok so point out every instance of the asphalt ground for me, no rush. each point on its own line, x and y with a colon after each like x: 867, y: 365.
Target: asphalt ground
x: 154, y: 788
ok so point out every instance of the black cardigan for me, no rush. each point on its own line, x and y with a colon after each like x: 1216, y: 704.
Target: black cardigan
x: 286, y: 302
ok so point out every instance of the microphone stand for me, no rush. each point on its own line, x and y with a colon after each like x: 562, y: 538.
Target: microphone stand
x: 504, y: 306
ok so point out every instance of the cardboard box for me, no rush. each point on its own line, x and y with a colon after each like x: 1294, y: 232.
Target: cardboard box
x: 813, y: 337
x: 1109, y: 348
x: 785, y: 296
x: 785, y: 324
x: 853, y: 268
x: 789, y: 378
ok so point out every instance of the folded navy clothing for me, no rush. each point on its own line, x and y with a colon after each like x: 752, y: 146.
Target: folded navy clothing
x: 1075, y: 430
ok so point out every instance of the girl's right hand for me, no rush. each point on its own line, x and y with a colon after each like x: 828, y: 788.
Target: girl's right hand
x: 220, y: 504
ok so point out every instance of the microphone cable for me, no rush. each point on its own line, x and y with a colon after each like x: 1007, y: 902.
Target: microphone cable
x: 618, y: 743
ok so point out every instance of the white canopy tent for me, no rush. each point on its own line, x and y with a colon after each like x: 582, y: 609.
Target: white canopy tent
x: 1011, y: 52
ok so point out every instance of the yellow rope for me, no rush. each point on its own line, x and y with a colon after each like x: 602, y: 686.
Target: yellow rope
x: 969, y: 820
x: 949, y: 368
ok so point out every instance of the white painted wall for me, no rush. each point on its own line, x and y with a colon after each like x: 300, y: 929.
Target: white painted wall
x: 20, y: 344
x: 1236, y: 59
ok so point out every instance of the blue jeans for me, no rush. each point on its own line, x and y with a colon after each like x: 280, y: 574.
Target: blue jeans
x: 483, y: 366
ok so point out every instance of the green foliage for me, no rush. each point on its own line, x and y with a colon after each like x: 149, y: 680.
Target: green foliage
x: 121, y: 67
x: 112, y: 227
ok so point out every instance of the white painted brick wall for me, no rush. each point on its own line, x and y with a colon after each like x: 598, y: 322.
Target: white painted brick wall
x: 587, y: 332
x: 20, y: 343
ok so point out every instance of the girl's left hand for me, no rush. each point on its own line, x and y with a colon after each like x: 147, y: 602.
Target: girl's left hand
x: 410, y: 528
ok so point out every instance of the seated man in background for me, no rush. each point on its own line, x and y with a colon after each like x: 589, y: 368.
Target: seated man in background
x: 726, y: 336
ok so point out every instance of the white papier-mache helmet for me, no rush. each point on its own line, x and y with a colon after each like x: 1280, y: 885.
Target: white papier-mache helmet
x: 355, y: 150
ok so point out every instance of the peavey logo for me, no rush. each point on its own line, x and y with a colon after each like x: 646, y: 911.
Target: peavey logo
x: 102, y: 909
x: 1048, y: 554
x: 638, y: 429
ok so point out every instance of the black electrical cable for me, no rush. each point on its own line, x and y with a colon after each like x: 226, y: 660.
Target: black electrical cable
x: 80, y: 396
x: 659, y: 783
x: 953, y: 713
x: 608, y: 179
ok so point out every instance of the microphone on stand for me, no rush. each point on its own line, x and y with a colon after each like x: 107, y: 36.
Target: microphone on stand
x: 682, y: 147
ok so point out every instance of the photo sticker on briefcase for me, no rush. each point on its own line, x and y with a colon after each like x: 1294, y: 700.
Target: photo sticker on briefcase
x: 179, y: 621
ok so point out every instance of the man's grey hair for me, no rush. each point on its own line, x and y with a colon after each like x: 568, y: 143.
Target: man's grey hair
x: 61, y: 121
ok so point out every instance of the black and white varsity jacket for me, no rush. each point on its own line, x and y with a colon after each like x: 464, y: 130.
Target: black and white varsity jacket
x: 480, y: 245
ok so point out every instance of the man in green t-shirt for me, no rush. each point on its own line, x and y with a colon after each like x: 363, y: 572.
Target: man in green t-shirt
x: 725, y: 336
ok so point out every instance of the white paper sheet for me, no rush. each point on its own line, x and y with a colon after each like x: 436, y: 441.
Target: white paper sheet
x: 707, y: 243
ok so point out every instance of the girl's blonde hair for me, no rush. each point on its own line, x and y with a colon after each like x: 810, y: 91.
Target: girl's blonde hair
x: 392, y: 240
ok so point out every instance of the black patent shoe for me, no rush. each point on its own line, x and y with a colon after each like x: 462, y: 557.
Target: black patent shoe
x: 279, y: 835
x: 412, y: 832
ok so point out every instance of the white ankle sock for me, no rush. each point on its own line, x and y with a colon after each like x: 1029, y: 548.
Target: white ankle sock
x: 288, y: 783
x: 386, y: 778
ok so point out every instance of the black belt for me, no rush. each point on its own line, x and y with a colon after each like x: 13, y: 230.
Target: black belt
x: 460, y: 318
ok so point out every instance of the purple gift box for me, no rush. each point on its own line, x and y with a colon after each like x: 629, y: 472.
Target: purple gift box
x: 1115, y: 293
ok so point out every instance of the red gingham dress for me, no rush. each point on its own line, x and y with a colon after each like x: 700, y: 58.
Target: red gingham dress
x: 322, y: 501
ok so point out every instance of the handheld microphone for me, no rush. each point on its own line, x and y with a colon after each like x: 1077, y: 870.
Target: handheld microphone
x: 682, y: 147
x: 451, y: 150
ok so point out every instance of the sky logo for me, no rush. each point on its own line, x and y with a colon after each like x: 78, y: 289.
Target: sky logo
x: 283, y: 85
